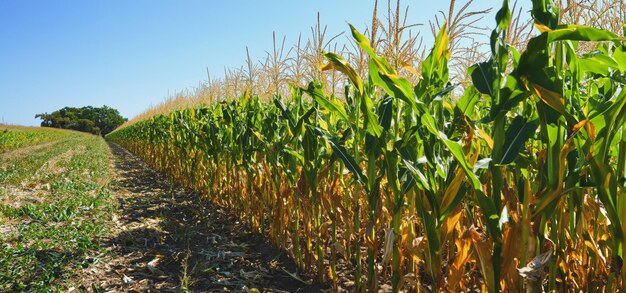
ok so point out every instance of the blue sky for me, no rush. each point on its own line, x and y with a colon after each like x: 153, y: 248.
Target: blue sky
x: 132, y: 54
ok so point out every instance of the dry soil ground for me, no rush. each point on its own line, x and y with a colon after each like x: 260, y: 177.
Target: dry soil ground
x: 165, y: 238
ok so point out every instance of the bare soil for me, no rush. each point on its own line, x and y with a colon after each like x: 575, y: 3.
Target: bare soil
x: 168, y: 239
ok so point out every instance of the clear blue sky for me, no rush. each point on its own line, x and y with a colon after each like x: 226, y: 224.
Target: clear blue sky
x: 130, y: 54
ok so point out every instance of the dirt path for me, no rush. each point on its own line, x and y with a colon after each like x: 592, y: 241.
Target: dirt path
x: 167, y: 239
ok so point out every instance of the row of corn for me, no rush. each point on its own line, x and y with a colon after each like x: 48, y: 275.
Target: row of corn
x: 515, y: 182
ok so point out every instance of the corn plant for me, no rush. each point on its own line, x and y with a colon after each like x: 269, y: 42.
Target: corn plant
x: 515, y: 184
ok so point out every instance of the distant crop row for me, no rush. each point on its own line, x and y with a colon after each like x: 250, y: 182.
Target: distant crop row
x: 12, y: 137
x: 516, y: 184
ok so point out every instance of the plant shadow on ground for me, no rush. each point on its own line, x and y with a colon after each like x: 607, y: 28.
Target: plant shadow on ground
x: 167, y: 238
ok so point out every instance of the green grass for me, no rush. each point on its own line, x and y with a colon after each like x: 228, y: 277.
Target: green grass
x: 58, y: 230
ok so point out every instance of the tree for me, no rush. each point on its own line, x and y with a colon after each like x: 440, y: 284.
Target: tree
x: 88, y: 119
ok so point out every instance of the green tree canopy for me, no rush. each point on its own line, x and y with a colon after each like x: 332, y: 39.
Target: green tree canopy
x: 88, y: 119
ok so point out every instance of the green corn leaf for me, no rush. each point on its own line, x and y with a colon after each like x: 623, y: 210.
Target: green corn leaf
x: 455, y: 149
x: 309, y: 145
x: 385, y: 113
x: 516, y: 136
x: 374, y: 74
x: 373, y: 145
x: 511, y: 94
x: 446, y: 90
x: 605, y: 189
x: 503, y: 17
x: 339, y: 63
x: 515, y: 54
x: 377, y: 64
x: 383, y: 75
x: 458, y: 154
x: 345, y: 157
x: 334, y: 106
x: 491, y: 214
x: 299, y: 129
x: 467, y: 103
x: 391, y: 163
x: 545, y: 14
x: 483, y: 77
x: 364, y: 43
x: 575, y: 32
x: 399, y: 87
x: 434, y: 66
x: 286, y: 114
x: 432, y: 233
x: 620, y: 57
x: 607, y: 122
x: 371, y: 119
x: 598, y: 64
x: 429, y: 122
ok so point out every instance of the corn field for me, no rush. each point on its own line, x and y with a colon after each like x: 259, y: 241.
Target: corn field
x: 516, y: 184
x: 15, y: 137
